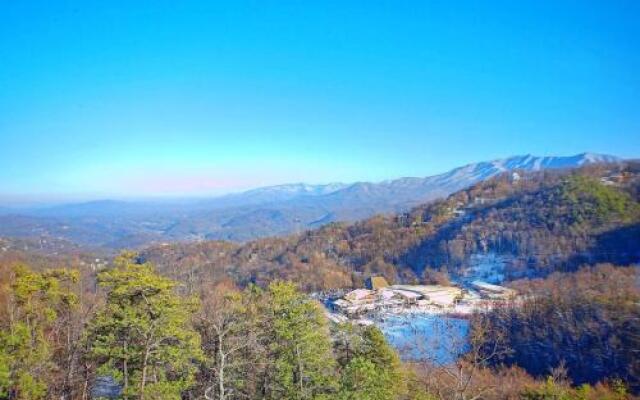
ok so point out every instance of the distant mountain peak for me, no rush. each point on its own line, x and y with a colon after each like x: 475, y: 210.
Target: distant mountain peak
x: 531, y: 162
x: 299, y: 188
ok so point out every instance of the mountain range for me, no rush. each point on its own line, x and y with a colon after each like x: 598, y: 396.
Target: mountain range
x: 500, y: 229
x: 267, y: 211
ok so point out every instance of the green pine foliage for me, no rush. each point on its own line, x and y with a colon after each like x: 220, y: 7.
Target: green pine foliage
x: 304, y: 366
x: 142, y: 337
x: 372, y: 369
x: 586, y: 200
x: 26, y: 354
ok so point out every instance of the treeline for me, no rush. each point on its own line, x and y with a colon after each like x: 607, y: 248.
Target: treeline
x: 546, y: 221
x: 586, y: 323
x: 134, y: 336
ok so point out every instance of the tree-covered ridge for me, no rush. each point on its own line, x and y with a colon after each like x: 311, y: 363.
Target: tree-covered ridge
x: 546, y: 221
x: 589, y: 201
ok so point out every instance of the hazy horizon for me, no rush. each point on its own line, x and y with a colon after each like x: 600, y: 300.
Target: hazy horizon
x: 48, y: 200
x: 199, y: 99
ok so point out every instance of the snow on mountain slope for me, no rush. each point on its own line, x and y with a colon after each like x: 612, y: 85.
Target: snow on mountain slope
x: 293, y: 190
x: 472, y: 173
x: 403, y: 192
x: 263, y: 211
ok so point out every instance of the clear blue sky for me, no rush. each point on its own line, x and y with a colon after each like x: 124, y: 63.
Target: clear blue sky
x: 134, y: 98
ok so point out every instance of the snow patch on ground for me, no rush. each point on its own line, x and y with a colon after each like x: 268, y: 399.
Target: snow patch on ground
x: 436, y: 335
x: 487, y: 267
x: 435, y: 338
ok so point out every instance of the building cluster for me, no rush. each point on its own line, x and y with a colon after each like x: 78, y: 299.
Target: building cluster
x: 615, y: 179
x: 379, y: 296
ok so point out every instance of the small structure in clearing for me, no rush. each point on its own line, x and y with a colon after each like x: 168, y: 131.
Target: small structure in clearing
x: 491, y: 291
x: 376, y: 283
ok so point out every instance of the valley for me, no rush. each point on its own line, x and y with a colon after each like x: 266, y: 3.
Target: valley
x: 453, y: 285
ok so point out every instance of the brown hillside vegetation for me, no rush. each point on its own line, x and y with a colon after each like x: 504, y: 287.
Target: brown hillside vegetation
x: 546, y: 221
x: 586, y: 322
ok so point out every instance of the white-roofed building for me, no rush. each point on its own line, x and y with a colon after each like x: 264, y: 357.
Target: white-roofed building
x: 493, y: 291
x: 359, y: 295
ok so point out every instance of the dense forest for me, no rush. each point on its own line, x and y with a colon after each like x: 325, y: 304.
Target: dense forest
x: 138, y: 339
x: 218, y: 320
x: 131, y: 334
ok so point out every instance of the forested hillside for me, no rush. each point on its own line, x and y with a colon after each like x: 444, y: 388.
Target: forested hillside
x: 542, y: 222
x: 586, y: 323
x: 135, y: 335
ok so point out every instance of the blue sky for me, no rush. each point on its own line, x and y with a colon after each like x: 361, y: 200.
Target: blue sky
x: 134, y: 98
